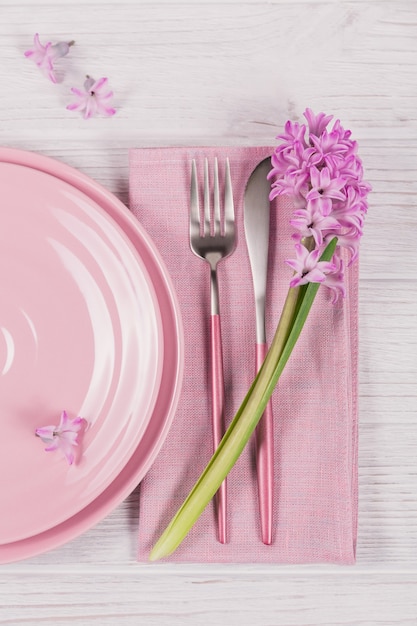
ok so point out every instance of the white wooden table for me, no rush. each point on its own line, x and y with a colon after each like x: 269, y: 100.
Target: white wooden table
x: 232, y: 73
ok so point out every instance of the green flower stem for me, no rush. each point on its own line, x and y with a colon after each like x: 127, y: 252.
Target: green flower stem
x: 294, y: 314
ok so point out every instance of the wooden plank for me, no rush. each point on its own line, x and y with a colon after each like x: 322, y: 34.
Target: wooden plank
x: 221, y: 596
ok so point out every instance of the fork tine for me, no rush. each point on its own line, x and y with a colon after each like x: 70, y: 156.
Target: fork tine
x: 229, y: 210
x: 216, y: 193
x: 206, y: 227
x: 194, y: 202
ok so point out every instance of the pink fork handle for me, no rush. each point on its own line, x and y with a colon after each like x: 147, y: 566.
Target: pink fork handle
x: 264, y: 438
x: 217, y: 392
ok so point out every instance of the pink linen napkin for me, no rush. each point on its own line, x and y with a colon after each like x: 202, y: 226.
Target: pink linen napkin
x: 315, y: 403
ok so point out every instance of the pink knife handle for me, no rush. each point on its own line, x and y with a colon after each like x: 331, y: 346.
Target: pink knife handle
x: 217, y: 391
x: 264, y: 438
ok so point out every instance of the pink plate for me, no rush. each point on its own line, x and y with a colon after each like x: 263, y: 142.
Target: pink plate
x: 89, y: 322
x: 79, y: 330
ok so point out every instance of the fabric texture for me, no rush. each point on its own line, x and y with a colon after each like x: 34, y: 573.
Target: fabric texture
x: 314, y: 404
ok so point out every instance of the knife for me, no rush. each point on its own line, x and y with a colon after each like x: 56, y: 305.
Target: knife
x: 256, y: 222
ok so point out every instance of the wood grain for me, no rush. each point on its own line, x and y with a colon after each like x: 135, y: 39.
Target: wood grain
x: 222, y: 597
x: 232, y: 73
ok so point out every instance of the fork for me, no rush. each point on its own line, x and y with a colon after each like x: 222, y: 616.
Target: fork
x: 213, y: 239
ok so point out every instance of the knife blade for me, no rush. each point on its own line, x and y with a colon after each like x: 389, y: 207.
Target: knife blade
x: 256, y: 223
